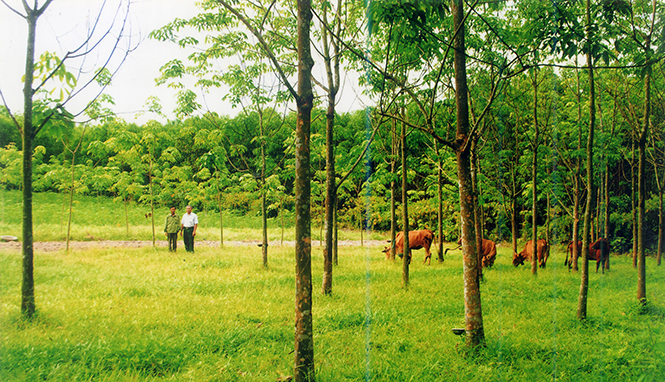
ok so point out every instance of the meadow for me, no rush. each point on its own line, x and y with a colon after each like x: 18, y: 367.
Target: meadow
x: 144, y: 314
x: 217, y: 315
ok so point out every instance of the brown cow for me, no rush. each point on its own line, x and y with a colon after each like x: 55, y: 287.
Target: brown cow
x: 542, y: 253
x: 417, y: 240
x: 487, y: 252
x: 599, y: 251
x: 569, y: 251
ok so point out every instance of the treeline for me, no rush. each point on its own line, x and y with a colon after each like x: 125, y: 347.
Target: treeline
x: 215, y: 162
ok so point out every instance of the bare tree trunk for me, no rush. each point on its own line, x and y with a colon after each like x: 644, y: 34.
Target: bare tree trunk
x: 633, y: 187
x: 513, y: 221
x: 406, y: 253
x: 534, y: 177
x: 71, y: 204
x: 393, y: 191
x: 335, y: 233
x: 642, y: 192
x: 476, y: 212
x: 577, y: 181
x: 584, y: 279
x: 126, y: 215
x: 475, y: 334
x: 264, y: 206
x: 304, y: 335
x: 440, y: 202
x: 28, y: 284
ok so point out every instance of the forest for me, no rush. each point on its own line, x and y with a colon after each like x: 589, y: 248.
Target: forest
x: 508, y: 121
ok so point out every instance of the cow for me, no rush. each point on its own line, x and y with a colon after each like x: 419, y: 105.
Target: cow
x: 569, y: 251
x: 487, y: 252
x: 417, y: 239
x: 542, y: 253
x: 599, y: 251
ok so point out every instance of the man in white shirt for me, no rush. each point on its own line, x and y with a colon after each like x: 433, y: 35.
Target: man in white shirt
x: 189, y: 223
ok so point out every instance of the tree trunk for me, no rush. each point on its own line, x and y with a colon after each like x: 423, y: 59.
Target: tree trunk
x: 393, y: 191
x: 440, y: 202
x: 71, y: 204
x: 406, y: 253
x: 584, y: 279
x: 577, y: 181
x: 513, y: 221
x: 534, y: 179
x: 304, y: 335
x: 472, y: 303
x: 642, y: 192
x: 606, y: 230
x: 335, y: 233
x: 28, y: 285
x: 660, y: 226
x: 152, y: 200
x: 332, y: 74
x: 633, y: 188
x: 221, y: 219
x: 476, y: 212
x: 264, y: 206
x: 126, y: 215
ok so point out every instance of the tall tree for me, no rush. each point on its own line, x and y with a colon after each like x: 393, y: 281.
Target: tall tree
x: 52, y: 109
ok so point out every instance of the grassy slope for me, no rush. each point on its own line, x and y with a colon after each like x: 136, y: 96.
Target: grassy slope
x: 146, y: 315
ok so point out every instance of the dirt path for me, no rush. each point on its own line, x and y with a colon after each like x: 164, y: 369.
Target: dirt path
x: 54, y: 246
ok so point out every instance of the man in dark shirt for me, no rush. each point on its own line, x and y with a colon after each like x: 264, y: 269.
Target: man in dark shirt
x: 172, y: 228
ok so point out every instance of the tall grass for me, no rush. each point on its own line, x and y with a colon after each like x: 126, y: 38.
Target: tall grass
x: 216, y: 315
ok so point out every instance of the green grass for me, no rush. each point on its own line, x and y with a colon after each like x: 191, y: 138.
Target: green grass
x: 148, y: 315
x: 102, y: 218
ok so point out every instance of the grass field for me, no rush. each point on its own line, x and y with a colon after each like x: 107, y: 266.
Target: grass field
x: 102, y: 218
x: 216, y: 315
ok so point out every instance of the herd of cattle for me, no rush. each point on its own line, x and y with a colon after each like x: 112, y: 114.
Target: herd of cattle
x: 598, y: 250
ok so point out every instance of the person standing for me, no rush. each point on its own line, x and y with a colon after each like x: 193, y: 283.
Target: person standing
x: 171, y: 229
x: 189, y: 223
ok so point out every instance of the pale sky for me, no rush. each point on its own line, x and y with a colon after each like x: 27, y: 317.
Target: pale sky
x: 63, y: 27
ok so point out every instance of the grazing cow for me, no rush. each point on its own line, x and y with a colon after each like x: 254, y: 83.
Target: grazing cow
x: 542, y: 250
x: 599, y: 251
x: 487, y: 252
x: 417, y: 239
x: 569, y: 252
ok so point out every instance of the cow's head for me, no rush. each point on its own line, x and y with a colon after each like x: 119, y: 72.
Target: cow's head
x: 487, y: 261
x: 518, y: 259
x: 386, y: 251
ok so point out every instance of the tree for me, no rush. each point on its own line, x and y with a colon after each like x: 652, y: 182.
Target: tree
x: 54, y: 109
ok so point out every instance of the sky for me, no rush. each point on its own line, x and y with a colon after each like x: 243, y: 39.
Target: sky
x: 63, y: 27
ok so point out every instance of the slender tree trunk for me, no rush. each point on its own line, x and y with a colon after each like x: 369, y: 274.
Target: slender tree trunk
x: 660, y: 226
x: 126, y: 216
x: 475, y: 334
x: 281, y: 219
x: 28, y: 285
x: 264, y: 206
x: 393, y: 191
x: 304, y: 335
x: 406, y: 253
x: 584, y: 279
x: 440, y: 202
x: 642, y: 192
x: 71, y: 204
x: 634, y: 190
x: 534, y: 179
x: 513, y: 220
x: 332, y: 73
x: 476, y: 212
x: 221, y: 219
x: 576, y: 222
x: 577, y: 177
x: 152, y: 200
x: 606, y: 230
x: 335, y: 233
